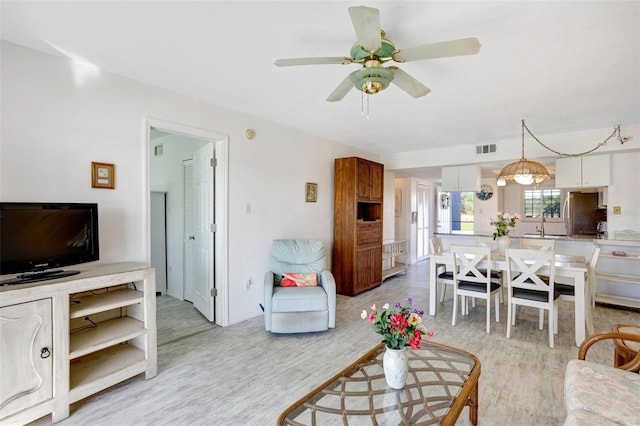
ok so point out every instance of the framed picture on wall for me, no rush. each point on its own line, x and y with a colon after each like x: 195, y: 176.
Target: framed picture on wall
x: 311, y: 192
x: 102, y: 175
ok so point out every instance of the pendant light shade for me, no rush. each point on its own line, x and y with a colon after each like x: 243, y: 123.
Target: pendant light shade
x: 523, y: 171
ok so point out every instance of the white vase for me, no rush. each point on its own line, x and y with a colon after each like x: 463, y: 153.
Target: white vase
x: 503, y: 243
x: 395, y: 364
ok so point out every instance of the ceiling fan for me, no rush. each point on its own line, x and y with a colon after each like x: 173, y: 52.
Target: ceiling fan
x: 372, y: 50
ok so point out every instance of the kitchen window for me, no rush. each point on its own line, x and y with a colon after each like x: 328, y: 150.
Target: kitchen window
x: 538, y: 201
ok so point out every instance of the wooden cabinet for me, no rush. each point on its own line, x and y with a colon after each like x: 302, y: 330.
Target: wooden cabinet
x: 103, y: 332
x: 26, y: 363
x: 357, y: 230
x: 461, y: 179
x: 583, y: 172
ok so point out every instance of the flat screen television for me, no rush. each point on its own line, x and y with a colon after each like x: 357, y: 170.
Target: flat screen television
x: 38, y: 239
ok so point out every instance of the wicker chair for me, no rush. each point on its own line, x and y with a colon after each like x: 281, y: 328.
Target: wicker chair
x: 600, y: 394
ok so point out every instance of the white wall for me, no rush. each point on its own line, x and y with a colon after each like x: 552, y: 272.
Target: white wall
x: 389, y: 213
x: 53, y: 126
x: 485, y: 210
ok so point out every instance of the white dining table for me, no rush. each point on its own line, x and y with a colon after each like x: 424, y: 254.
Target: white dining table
x: 572, y: 267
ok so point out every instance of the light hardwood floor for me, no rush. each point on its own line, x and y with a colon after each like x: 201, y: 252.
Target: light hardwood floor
x: 242, y: 375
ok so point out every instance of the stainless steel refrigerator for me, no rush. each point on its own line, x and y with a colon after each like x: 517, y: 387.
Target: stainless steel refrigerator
x: 581, y: 213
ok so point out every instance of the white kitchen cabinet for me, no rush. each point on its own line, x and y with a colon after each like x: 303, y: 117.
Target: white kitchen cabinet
x: 461, y: 179
x: 583, y: 172
x: 103, y: 332
x: 26, y: 364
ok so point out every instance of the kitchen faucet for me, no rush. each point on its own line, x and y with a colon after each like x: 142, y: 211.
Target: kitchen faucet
x: 541, y: 230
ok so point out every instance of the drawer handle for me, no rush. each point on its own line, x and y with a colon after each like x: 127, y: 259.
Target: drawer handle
x: 45, y: 353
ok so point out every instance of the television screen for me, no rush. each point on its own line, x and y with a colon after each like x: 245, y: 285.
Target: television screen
x: 38, y: 238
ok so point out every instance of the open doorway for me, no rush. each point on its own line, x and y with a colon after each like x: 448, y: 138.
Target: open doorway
x: 189, y: 168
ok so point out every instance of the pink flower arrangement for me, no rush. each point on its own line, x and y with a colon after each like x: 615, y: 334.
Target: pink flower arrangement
x: 400, y: 326
x: 504, y: 224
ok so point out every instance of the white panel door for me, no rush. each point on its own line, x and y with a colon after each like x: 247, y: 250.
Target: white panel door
x: 423, y: 194
x: 188, y: 283
x: 203, y: 250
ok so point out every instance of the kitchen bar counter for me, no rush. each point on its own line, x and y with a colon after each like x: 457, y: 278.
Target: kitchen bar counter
x: 588, y: 238
x: 580, y: 245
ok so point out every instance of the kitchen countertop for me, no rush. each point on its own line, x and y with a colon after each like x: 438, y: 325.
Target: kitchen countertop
x: 533, y: 236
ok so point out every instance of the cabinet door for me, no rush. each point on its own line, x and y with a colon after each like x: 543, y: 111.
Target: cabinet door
x: 569, y: 172
x: 468, y: 178
x: 449, y: 179
x: 368, y: 268
x: 27, y: 356
x: 362, y: 271
x: 596, y: 170
x: 377, y: 182
x: 375, y: 256
x: 364, y: 180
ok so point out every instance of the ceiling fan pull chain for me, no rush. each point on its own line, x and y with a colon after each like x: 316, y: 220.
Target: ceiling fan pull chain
x: 364, y: 105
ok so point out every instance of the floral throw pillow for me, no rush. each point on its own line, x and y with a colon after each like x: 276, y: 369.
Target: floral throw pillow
x: 291, y: 279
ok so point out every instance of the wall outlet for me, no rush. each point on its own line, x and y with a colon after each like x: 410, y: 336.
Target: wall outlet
x: 247, y: 208
x: 248, y: 284
x: 617, y: 210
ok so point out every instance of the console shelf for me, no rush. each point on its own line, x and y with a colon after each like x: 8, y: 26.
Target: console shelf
x: 107, y: 333
x: 102, y: 332
x: 87, y: 305
x: 619, y: 270
x: 106, y: 367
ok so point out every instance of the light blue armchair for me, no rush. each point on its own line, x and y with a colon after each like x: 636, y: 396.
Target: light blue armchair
x: 299, y: 309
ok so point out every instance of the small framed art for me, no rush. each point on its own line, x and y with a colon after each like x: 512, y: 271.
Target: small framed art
x: 102, y: 175
x: 311, y: 192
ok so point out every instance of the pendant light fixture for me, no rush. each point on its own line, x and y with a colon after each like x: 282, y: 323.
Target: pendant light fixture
x: 523, y: 171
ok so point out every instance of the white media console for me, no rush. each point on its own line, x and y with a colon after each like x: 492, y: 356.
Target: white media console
x: 66, y: 339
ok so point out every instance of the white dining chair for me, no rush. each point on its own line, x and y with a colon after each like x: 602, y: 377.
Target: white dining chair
x: 537, y: 243
x: 527, y: 287
x: 568, y: 292
x: 470, y: 281
x: 443, y: 277
x: 496, y: 276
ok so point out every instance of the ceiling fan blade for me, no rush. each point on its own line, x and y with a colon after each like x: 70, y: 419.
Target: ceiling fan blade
x: 463, y: 46
x: 366, y: 22
x: 341, y: 90
x: 409, y: 84
x: 312, y: 61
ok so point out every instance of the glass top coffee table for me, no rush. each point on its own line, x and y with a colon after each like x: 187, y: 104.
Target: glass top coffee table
x: 442, y: 380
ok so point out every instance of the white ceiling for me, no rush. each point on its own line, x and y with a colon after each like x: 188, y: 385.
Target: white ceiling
x: 561, y: 65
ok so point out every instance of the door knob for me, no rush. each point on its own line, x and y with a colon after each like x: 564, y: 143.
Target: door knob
x: 45, y: 353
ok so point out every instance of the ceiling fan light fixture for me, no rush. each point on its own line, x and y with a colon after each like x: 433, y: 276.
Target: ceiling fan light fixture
x: 523, y: 171
x: 372, y: 80
x: 371, y: 87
